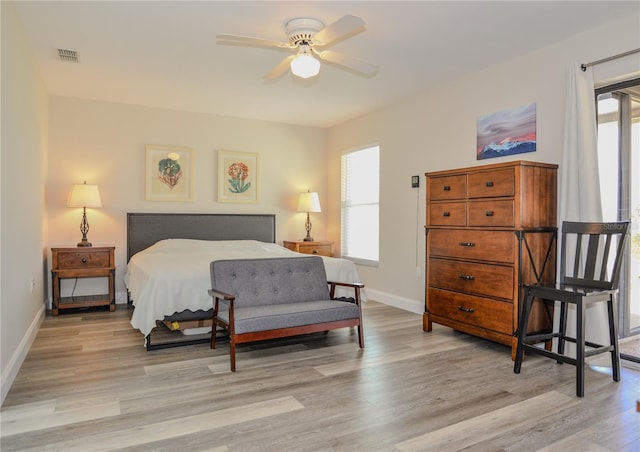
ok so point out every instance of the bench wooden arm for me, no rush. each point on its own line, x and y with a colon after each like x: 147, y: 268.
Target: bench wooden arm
x: 218, y: 295
x: 354, y: 285
x: 356, y: 288
x: 222, y: 295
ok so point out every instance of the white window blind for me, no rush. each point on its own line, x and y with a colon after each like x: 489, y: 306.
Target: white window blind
x: 360, y: 205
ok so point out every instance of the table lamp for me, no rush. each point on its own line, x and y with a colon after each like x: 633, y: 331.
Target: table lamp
x: 83, y: 195
x: 308, y: 202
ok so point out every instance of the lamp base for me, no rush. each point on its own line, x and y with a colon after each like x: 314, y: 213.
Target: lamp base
x: 307, y: 239
x: 84, y: 243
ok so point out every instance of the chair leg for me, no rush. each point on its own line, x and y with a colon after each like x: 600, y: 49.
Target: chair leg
x: 613, y: 337
x: 562, y: 328
x: 232, y: 353
x: 580, y: 348
x: 213, y: 334
x: 522, y: 331
x: 360, y: 335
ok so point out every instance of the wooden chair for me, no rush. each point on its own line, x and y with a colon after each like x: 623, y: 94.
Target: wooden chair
x: 590, y: 261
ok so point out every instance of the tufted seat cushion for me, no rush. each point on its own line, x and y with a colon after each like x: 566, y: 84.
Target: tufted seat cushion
x: 286, y: 315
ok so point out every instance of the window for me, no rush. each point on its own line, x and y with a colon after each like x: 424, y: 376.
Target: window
x: 619, y: 165
x: 360, y: 205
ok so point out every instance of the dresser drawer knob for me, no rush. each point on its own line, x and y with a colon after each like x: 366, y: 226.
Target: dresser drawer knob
x: 463, y: 309
x: 446, y: 188
x: 467, y: 277
x: 315, y: 251
x: 489, y: 213
x: 467, y: 244
x: 488, y: 184
x: 446, y: 214
x: 84, y: 260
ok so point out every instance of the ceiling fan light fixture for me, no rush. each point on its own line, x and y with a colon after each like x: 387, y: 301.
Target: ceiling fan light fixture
x: 305, y: 66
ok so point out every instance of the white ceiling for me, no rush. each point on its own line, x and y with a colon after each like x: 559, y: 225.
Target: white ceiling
x: 164, y: 54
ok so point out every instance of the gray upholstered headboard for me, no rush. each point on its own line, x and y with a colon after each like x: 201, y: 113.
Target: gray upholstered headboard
x: 145, y: 229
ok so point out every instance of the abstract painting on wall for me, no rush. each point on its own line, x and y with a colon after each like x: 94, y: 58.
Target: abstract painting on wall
x: 507, y: 132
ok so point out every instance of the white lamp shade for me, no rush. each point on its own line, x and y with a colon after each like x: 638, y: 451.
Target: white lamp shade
x: 83, y: 195
x: 305, y: 66
x: 309, y: 202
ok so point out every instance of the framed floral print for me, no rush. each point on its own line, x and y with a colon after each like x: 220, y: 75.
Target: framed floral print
x: 238, y: 176
x: 169, y: 174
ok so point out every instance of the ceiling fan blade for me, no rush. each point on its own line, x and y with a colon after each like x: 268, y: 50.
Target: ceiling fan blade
x: 225, y: 38
x: 280, y: 69
x: 341, y: 28
x: 349, y: 62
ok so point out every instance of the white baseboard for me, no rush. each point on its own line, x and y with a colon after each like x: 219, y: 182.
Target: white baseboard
x: 9, y: 374
x: 406, y: 304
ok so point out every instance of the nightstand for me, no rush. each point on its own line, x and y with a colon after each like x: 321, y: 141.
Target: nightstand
x: 90, y: 262
x: 320, y: 247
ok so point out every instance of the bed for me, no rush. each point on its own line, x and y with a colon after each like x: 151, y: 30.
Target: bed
x: 168, y: 257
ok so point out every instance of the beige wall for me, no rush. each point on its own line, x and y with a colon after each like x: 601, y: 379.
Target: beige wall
x: 23, y: 176
x: 104, y: 144
x: 436, y: 129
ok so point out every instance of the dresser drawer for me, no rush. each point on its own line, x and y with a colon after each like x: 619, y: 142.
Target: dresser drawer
x: 493, y: 213
x: 485, y: 313
x: 447, y: 214
x: 487, y: 184
x: 481, y: 279
x: 73, y: 260
x: 495, y: 246
x: 447, y: 187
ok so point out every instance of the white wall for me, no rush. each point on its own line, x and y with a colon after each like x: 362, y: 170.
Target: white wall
x: 104, y: 144
x: 436, y: 130
x: 22, y: 188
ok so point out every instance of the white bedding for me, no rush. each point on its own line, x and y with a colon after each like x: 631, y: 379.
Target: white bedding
x: 173, y: 275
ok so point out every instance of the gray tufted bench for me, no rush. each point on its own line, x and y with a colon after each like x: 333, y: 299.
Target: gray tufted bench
x: 258, y: 299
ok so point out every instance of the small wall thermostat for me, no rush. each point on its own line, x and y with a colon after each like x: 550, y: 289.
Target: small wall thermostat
x: 415, y: 181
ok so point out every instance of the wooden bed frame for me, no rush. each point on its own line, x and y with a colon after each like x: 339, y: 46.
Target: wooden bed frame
x: 145, y: 229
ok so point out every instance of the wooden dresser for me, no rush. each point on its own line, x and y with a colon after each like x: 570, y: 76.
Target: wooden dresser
x: 489, y: 229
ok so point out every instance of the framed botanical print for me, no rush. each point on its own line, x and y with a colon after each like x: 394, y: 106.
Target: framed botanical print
x: 169, y: 174
x: 238, y: 176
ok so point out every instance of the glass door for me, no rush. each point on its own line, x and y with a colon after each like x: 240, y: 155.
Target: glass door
x: 619, y: 162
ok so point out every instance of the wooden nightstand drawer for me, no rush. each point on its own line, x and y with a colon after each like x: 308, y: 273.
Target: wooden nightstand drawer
x: 82, y: 259
x: 321, y: 248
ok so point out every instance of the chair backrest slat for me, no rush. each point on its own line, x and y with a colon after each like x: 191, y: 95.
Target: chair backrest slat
x: 590, y: 246
x: 592, y: 253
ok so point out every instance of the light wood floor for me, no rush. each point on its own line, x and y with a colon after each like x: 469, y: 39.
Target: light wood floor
x: 88, y: 384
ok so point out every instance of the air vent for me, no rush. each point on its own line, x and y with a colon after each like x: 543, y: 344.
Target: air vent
x: 68, y: 55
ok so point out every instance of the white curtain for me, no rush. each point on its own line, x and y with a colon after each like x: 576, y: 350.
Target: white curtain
x: 579, y: 180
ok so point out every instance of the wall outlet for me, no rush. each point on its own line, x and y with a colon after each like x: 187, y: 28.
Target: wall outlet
x: 32, y: 285
x: 415, y: 181
x: 418, y: 272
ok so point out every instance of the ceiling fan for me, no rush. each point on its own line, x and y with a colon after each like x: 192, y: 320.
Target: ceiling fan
x: 309, y: 37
